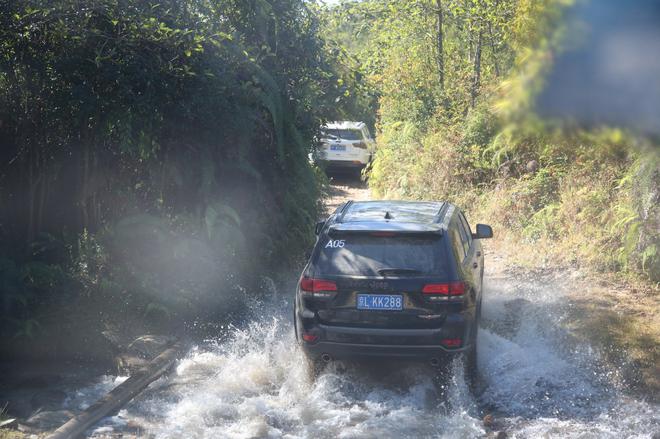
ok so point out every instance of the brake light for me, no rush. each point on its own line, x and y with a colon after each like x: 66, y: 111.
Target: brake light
x: 307, y: 284
x: 436, y: 289
x: 318, y: 287
x: 451, y: 342
x: 310, y: 338
x: 448, y: 289
x: 360, y: 145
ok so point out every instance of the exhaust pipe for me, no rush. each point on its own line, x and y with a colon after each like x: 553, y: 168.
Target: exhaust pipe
x: 435, y: 362
x: 326, y: 358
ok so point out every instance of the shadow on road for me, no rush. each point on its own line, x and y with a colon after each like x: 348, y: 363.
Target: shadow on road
x: 345, y: 178
x: 345, y: 186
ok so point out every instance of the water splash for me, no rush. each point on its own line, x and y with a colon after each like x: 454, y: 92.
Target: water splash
x: 255, y: 383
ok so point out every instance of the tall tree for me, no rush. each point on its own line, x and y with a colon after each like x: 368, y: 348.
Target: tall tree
x: 440, y: 44
x: 476, y: 76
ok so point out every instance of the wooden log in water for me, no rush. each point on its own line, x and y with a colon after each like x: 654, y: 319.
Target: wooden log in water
x: 120, y: 395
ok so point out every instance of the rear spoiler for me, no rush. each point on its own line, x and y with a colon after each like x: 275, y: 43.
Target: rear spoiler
x: 386, y: 228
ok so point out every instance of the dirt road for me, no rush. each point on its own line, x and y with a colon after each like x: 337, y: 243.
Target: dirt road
x: 345, y: 187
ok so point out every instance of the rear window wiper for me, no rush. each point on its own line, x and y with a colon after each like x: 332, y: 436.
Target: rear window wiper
x: 395, y: 271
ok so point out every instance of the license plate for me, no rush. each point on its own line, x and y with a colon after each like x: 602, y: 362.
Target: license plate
x: 337, y: 147
x: 383, y: 302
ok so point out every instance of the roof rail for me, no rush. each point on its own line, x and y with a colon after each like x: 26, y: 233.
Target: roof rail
x: 344, y: 209
x: 441, y: 212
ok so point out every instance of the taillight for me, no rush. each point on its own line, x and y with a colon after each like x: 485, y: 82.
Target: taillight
x: 360, y: 145
x: 318, y: 287
x: 451, y: 343
x: 307, y: 284
x: 444, y: 291
x: 310, y: 338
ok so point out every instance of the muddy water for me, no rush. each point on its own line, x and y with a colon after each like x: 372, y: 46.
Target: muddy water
x: 535, y: 382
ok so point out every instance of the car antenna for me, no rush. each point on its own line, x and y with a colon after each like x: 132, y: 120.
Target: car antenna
x: 388, y: 215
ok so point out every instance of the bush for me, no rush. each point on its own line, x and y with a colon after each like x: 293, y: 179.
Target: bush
x: 165, y: 144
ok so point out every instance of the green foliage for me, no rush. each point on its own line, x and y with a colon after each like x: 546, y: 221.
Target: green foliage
x: 638, y: 216
x: 480, y: 127
x: 586, y: 195
x: 161, y: 144
x: 395, y: 43
x: 26, y: 287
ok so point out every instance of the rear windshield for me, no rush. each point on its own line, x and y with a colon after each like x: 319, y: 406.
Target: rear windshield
x: 343, y: 134
x: 377, y: 256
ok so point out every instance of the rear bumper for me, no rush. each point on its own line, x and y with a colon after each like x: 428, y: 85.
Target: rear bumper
x: 364, y: 351
x: 344, y: 164
x: 404, y: 344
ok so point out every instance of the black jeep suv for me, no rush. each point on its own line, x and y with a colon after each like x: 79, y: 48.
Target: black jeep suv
x: 392, y: 279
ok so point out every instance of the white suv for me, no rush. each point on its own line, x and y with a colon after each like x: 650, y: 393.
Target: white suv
x: 345, y: 145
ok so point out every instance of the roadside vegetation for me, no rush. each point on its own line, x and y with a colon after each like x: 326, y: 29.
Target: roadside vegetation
x: 458, y: 85
x: 154, y: 160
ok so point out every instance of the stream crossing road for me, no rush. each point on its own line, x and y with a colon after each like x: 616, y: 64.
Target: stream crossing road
x: 251, y: 381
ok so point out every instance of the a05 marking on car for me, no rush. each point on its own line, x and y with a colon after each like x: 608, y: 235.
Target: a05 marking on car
x: 337, y: 243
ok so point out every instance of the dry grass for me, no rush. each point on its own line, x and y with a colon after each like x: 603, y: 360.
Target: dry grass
x: 11, y: 434
x: 8, y: 433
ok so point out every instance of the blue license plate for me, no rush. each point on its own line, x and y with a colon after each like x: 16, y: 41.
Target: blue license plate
x: 383, y: 302
x: 337, y: 147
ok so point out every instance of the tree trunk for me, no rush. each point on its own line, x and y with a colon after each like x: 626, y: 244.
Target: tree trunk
x: 476, y: 80
x: 43, y: 192
x: 493, y: 49
x: 84, y: 181
x: 32, y: 190
x: 439, y: 45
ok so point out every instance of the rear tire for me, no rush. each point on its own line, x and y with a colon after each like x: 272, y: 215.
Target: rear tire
x: 361, y: 176
x: 442, y: 374
x: 314, y: 367
x: 295, y: 321
x: 471, y: 369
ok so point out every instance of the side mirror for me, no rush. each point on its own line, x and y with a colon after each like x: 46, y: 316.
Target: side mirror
x: 319, y: 227
x: 483, y: 232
